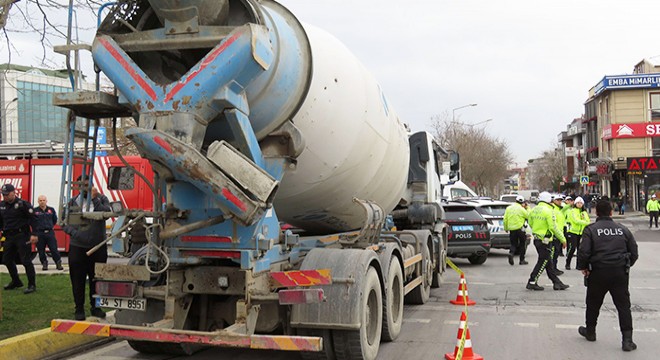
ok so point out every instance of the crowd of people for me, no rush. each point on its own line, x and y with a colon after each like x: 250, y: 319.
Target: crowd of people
x: 605, y: 251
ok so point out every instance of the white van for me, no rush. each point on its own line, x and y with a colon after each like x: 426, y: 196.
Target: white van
x: 529, y: 195
x: 457, y: 190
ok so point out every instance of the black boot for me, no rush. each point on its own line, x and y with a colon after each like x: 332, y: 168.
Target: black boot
x: 59, y: 265
x: 627, y: 344
x: 588, y: 332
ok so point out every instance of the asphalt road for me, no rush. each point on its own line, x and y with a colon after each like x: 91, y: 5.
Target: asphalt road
x: 508, y: 321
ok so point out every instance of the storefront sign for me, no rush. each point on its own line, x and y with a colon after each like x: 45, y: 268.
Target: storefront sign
x: 638, y: 81
x: 633, y: 130
x: 639, y: 165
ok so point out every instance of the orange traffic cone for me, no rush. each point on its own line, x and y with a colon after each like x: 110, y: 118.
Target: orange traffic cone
x: 462, y: 297
x: 467, y: 347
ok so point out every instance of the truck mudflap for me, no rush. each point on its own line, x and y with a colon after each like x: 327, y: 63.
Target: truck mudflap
x: 221, y: 338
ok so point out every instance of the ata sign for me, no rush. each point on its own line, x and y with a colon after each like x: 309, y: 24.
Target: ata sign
x: 631, y: 130
x: 642, y: 164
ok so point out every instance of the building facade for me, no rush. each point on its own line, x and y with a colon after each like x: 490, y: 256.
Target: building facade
x: 26, y: 97
x: 620, y: 135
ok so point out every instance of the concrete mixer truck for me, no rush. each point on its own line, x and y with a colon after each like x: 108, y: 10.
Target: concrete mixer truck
x: 278, y: 165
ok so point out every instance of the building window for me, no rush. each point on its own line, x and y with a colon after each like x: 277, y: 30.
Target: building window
x: 655, y: 146
x: 655, y: 106
x: 38, y: 118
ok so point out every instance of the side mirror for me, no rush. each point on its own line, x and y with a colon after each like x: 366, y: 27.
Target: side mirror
x: 454, y: 166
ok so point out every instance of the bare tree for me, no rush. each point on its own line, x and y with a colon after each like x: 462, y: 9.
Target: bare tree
x: 45, y: 21
x: 546, y: 171
x: 484, y: 158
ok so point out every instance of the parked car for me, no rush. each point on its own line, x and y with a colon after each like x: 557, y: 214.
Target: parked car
x: 493, y: 212
x: 467, y: 234
x: 510, y: 198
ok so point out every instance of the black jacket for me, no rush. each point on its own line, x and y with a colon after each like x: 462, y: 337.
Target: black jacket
x: 17, y: 216
x: 90, y: 234
x: 606, y: 243
x: 46, y: 219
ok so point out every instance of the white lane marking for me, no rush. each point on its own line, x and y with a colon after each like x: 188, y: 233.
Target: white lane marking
x: 643, y: 288
x: 566, y: 326
x: 456, y: 322
x: 647, y: 330
x: 419, y: 321
x: 481, y: 283
x: 527, y: 325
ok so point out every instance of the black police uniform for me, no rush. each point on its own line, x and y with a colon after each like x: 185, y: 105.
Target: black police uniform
x: 608, y: 249
x: 46, y: 220
x: 16, y: 219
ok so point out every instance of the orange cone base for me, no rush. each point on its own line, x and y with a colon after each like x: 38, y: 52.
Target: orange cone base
x: 462, y: 302
x: 451, y: 356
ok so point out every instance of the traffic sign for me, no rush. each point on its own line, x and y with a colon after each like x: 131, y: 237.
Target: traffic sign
x: 584, y: 180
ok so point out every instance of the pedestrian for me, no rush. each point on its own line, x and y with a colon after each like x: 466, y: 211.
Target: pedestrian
x: 83, y: 238
x: 587, y: 202
x: 577, y: 218
x: 607, y: 252
x: 653, y: 207
x: 560, y: 218
x: 544, y: 228
x: 18, y: 223
x: 46, y: 220
x: 515, y: 216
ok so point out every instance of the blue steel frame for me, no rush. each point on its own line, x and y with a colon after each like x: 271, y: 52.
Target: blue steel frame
x: 218, y: 83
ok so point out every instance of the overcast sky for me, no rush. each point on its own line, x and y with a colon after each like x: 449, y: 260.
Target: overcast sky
x: 528, y: 65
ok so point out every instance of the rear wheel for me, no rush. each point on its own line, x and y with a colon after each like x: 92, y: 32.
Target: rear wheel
x: 393, y: 304
x: 478, y: 259
x: 328, y: 352
x: 439, y: 268
x: 363, y: 344
x: 420, y: 294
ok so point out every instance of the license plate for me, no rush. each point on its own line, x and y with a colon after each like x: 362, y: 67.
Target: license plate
x: 462, y: 228
x: 122, y: 303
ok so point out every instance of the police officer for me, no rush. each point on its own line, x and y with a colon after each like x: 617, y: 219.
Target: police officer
x: 653, y: 207
x: 560, y: 219
x: 607, y: 252
x: 576, y: 218
x: 46, y: 220
x: 515, y: 216
x: 16, y: 220
x: 544, y: 227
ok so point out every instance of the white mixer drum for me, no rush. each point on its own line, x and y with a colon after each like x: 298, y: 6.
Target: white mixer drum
x: 356, y: 146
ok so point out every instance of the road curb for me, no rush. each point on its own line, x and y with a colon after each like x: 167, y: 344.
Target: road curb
x: 45, y: 344
x: 41, y: 344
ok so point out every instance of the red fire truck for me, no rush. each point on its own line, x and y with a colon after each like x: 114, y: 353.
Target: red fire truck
x: 36, y: 169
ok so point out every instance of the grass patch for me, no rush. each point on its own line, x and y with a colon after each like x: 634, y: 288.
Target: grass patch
x: 25, y: 313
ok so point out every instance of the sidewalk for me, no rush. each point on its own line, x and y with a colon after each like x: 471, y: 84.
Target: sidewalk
x: 616, y: 216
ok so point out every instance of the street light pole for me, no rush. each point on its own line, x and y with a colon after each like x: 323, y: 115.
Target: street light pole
x: 453, y: 111
x: 479, y: 123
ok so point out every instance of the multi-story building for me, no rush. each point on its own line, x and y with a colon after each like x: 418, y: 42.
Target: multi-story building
x: 26, y: 98
x: 572, y: 145
x: 620, y: 135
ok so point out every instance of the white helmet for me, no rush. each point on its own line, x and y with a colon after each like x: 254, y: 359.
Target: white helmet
x: 545, y: 197
x: 520, y: 199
